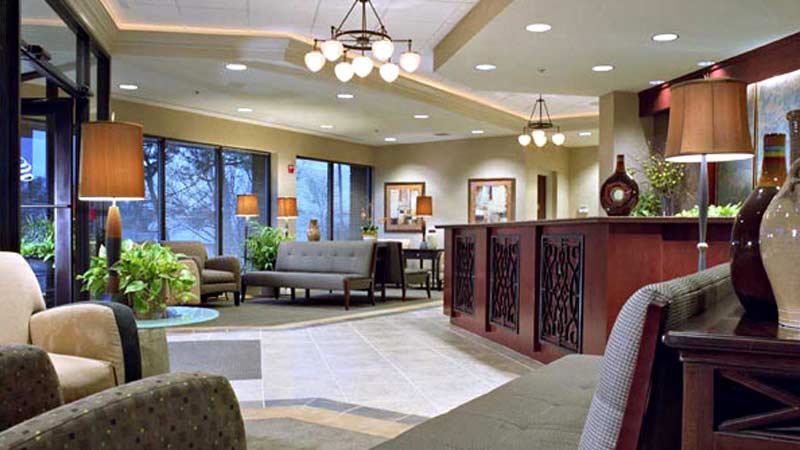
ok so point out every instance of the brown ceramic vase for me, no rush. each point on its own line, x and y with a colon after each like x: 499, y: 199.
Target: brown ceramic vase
x: 620, y: 193
x: 750, y: 281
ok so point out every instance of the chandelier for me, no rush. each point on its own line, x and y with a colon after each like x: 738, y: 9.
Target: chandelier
x: 360, y: 41
x: 538, y: 128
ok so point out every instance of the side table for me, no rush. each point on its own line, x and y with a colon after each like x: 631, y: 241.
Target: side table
x: 434, y: 255
x: 741, y: 383
x: 153, y: 336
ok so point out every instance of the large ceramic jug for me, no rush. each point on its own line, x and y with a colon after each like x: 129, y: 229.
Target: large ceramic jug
x: 780, y: 248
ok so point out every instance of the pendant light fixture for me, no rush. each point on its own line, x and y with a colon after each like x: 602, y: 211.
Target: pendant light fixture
x: 538, y: 128
x: 365, y: 39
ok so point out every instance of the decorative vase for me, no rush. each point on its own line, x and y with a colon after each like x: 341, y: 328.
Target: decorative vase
x: 750, y: 281
x: 620, y: 193
x: 780, y: 248
x: 794, y: 132
x: 313, y: 233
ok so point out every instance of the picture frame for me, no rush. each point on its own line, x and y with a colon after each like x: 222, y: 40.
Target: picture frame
x: 491, y: 200
x: 399, y: 206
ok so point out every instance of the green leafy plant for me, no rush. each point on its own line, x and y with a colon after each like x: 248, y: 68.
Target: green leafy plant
x: 369, y: 229
x: 38, y: 239
x: 148, y: 273
x: 649, y: 205
x: 262, y: 246
x: 729, y: 210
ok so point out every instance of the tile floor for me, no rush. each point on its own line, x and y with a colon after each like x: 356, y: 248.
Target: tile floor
x: 412, y: 363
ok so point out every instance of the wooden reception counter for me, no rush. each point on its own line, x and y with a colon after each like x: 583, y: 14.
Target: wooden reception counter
x: 550, y: 288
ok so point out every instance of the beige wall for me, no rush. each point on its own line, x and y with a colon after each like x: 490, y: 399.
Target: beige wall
x: 584, y: 176
x: 446, y: 167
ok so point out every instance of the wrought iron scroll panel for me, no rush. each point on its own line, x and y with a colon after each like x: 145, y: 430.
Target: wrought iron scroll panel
x: 561, y: 291
x: 464, y: 298
x: 504, y: 281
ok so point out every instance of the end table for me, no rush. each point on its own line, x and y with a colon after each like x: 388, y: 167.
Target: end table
x: 153, y: 336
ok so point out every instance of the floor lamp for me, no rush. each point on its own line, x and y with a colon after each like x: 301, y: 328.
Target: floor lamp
x: 708, y: 122
x: 246, y: 207
x: 111, y: 169
x: 424, y: 209
x: 287, y: 210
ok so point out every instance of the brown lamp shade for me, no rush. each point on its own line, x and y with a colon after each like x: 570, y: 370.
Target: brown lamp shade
x: 287, y: 207
x: 424, y: 205
x: 247, y: 205
x: 112, y: 162
x: 709, y: 117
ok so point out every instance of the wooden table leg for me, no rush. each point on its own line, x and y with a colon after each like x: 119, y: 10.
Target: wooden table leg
x: 698, y: 407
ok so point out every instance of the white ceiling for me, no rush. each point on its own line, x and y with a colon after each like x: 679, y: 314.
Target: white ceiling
x: 618, y: 32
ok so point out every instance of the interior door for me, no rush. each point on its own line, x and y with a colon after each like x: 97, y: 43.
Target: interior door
x: 541, y: 197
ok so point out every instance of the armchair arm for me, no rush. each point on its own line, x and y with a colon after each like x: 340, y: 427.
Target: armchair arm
x: 228, y: 264
x: 30, y: 384
x: 98, y: 330
x: 179, y: 411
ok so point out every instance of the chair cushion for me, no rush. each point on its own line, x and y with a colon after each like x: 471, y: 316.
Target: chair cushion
x: 81, y: 377
x: 310, y: 280
x: 544, y: 410
x: 217, y: 276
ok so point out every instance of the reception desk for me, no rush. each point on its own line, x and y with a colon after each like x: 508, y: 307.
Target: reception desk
x: 550, y: 288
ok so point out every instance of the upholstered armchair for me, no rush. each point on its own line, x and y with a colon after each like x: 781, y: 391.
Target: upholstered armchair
x: 93, y: 346
x: 179, y: 411
x: 218, y: 275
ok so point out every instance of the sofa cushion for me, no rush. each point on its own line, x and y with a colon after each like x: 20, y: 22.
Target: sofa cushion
x: 543, y: 410
x: 310, y: 280
x: 210, y: 276
x: 81, y: 377
x: 352, y: 257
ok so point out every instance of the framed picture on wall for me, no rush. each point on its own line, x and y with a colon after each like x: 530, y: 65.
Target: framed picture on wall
x: 400, y: 205
x: 492, y: 200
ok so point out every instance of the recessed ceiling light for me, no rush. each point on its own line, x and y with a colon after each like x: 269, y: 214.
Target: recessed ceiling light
x: 538, y: 27
x: 390, y: 139
x: 421, y: 116
x: 656, y: 82
x: 485, y: 67
x: 244, y: 110
x: 326, y: 127
x: 665, y: 37
x: 706, y: 63
x: 345, y: 96
x: 477, y: 131
x: 236, y: 67
x: 128, y: 87
x: 603, y: 68
x: 585, y: 133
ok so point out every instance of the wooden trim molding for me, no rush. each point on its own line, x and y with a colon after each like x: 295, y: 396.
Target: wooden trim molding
x: 770, y: 60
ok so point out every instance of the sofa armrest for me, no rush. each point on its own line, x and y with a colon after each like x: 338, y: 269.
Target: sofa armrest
x: 97, y: 330
x: 228, y: 264
x: 179, y: 411
x: 30, y: 384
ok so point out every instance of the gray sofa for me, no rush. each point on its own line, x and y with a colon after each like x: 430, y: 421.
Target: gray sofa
x: 345, y: 265
x: 626, y: 400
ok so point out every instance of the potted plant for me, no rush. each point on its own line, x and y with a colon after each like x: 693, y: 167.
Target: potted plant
x: 369, y: 232
x: 148, y: 273
x: 38, y: 246
x: 262, y: 246
x: 666, y: 181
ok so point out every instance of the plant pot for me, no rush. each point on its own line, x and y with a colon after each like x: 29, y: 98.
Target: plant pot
x: 313, y: 233
x: 151, y: 314
x: 667, y: 206
x: 151, y: 310
x: 369, y: 237
x: 780, y: 248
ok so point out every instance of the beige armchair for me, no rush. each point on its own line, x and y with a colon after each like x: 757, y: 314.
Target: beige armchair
x: 218, y: 275
x: 93, y: 345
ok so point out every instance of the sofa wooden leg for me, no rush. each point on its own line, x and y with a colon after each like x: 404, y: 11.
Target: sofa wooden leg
x: 308, y: 294
x: 372, y: 294
x: 244, y: 290
x: 428, y: 285
x: 276, y: 293
x: 404, y: 291
x: 346, y: 296
x: 294, y: 294
x: 236, y: 298
x: 383, y: 292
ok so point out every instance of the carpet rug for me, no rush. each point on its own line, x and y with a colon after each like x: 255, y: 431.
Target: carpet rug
x: 291, y: 434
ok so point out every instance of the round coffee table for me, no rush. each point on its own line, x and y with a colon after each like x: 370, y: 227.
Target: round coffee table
x: 153, y: 335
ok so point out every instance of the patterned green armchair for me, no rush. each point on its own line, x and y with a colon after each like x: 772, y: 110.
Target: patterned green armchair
x: 177, y: 411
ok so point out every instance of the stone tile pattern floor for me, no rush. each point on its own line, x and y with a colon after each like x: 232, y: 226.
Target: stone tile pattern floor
x: 412, y: 363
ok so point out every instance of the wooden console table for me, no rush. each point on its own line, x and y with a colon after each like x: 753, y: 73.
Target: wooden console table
x: 741, y: 386
x: 434, y: 255
x: 554, y: 287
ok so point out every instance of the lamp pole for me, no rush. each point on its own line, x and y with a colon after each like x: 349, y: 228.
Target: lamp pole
x: 702, y: 245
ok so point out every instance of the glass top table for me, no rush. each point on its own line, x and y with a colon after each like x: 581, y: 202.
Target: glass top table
x: 178, y: 316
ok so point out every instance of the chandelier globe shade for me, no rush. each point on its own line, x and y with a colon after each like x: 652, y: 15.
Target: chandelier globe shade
x: 315, y: 60
x: 362, y: 65
x: 344, y: 71
x: 332, y: 49
x: 390, y: 72
x: 410, y: 61
x: 524, y: 139
x: 383, y: 49
x: 538, y: 134
x: 559, y: 139
x: 540, y: 141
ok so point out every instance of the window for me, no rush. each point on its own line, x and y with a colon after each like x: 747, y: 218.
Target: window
x: 245, y: 173
x: 336, y: 194
x: 141, y: 218
x: 191, y: 194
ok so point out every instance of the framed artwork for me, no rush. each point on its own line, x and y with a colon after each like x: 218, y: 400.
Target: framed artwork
x: 400, y: 206
x: 491, y: 200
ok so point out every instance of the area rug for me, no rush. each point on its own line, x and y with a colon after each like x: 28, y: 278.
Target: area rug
x: 291, y: 434
x: 322, y: 306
